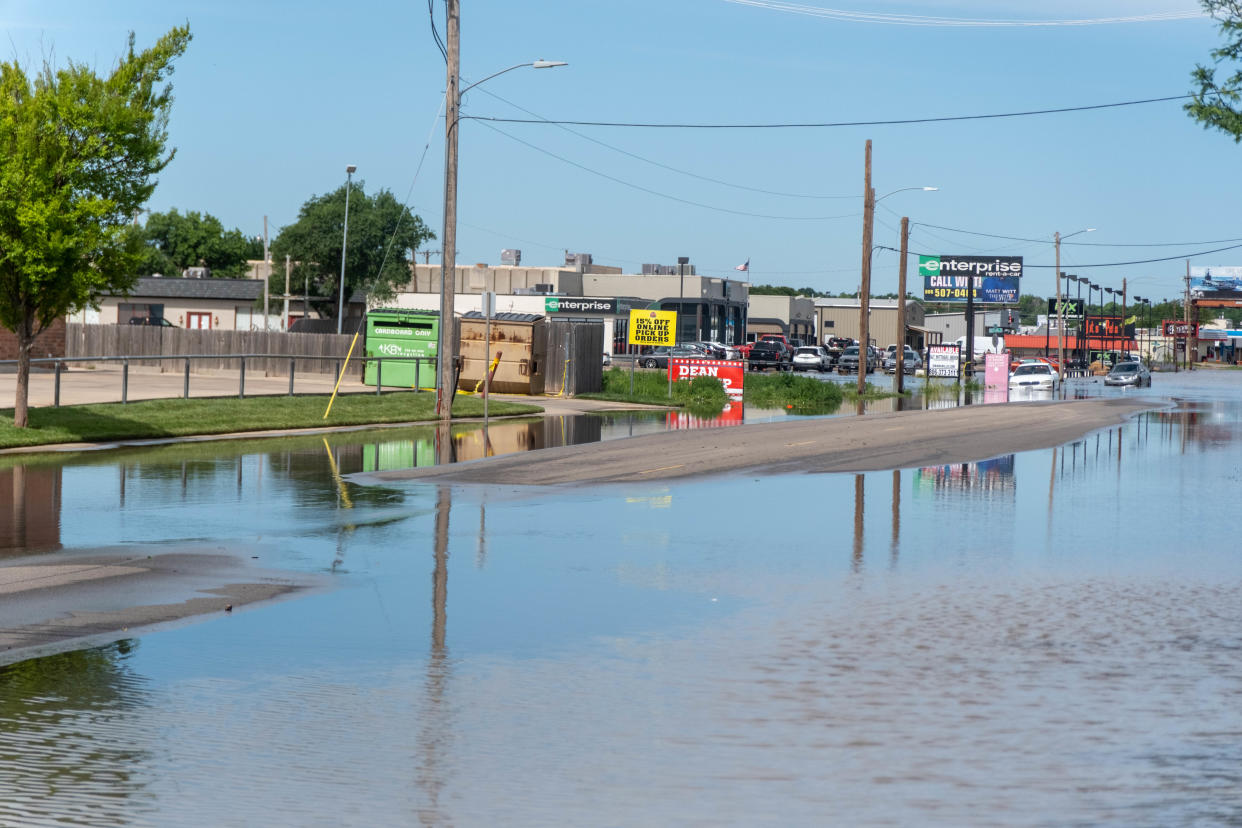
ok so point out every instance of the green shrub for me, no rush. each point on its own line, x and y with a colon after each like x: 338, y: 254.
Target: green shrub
x: 789, y: 390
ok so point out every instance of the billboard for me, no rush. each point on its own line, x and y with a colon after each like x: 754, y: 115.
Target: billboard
x: 944, y: 361
x: 1179, y: 329
x: 1216, y: 283
x: 1069, y: 307
x: 729, y: 371
x: 1107, y: 326
x: 652, y: 327
x: 954, y: 278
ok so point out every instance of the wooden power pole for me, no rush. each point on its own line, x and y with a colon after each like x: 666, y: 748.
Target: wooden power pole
x: 864, y: 292
x: 447, y: 350
x: 899, y: 375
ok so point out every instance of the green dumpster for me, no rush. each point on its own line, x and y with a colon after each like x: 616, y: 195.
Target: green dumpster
x: 395, y: 332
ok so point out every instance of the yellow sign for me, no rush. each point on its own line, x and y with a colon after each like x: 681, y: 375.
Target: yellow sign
x: 652, y: 327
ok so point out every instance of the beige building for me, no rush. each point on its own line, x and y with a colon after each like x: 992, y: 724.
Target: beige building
x: 840, y: 317
x: 207, y: 304
x: 793, y: 316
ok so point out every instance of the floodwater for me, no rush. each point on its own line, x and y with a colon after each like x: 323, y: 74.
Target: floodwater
x: 1046, y: 638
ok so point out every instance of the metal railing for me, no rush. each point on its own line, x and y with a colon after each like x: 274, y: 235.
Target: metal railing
x: 59, y: 363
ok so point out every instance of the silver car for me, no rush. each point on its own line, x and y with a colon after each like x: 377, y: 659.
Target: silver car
x: 811, y: 358
x: 1129, y: 373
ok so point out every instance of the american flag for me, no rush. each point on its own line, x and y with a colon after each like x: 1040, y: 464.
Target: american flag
x: 743, y: 267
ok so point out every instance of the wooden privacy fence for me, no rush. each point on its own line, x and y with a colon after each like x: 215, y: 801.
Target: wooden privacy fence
x: 575, y: 360
x: 142, y: 340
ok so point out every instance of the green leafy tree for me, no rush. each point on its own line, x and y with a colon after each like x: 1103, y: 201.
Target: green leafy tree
x: 175, y: 241
x: 1216, y: 104
x: 383, y: 235
x: 1030, y: 307
x: 79, y: 156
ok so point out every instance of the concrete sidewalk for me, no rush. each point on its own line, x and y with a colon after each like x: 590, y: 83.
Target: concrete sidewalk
x: 79, y: 386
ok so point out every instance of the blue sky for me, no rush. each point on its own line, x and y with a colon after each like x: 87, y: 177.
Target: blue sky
x: 274, y: 98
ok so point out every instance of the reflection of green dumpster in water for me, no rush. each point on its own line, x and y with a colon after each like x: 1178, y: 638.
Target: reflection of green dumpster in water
x: 393, y: 332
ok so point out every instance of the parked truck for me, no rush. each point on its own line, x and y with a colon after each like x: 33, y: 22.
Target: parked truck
x: 983, y: 345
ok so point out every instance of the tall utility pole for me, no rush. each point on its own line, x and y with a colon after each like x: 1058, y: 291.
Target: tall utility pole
x: 899, y: 376
x: 267, y: 272
x: 447, y: 348
x: 1060, y: 311
x: 284, y: 320
x: 1192, y: 335
x: 864, y: 290
x: 1124, y: 341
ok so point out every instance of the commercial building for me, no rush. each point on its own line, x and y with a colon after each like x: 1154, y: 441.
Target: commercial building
x: 840, y: 317
x: 709, y: 307
x: 793, y: 316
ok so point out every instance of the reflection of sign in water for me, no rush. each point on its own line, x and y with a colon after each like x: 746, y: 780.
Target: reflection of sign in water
x: 652, y: 327
x: 995, y: 475
x: 729, y: 372
x: 943, y: 361
x: 952, y: 278
x: 730, y: 416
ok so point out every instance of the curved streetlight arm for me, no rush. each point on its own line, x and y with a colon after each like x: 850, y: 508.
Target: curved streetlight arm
x: 903, y: 189
x: 538, y: 64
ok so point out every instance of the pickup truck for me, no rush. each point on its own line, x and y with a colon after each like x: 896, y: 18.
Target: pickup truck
x: 770, y: 354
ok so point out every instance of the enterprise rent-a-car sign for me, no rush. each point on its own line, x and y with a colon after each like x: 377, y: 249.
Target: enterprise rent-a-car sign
x: 951, y: 278
x: 568, y: 304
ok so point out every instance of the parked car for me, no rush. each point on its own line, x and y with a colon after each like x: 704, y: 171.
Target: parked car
x: 1039, y: 376
x: 848, y: 362
x: 152, y: 321
x: 770, y: 354
x: 657, y: 356
x: 1129, y: 373
x: 811, y: 358
x: 910, y: 362
x: 714, y: 349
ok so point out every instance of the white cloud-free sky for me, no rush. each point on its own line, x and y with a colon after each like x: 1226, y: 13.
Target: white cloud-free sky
x: 273, y: 99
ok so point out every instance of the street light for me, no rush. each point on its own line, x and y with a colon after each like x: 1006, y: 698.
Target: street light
x: 1057, y: 239
x: 864, y: 294
x: 340, y: 305
x: 446, y: 345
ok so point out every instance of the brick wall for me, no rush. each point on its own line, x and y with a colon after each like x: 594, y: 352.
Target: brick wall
x: 49, y: 343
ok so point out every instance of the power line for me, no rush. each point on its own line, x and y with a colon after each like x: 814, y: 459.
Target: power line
x: 829, y: 124
x: 659, y: 194
x: 1078, y: 244
x: 662, y: 165
x: 1111, y: 264
x: 898, y: 19
x: 435, y: 35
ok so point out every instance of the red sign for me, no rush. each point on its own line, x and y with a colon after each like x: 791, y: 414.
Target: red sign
x: 1181, y: 330
x: 730, y: 416
x: 728, y: 371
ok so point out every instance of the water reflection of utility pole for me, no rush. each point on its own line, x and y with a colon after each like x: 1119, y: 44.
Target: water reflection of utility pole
x: 434, y: 731
x: 480, y: 557
x: 1052, y: 482
x: 896, y: 517
x: 858, y: 521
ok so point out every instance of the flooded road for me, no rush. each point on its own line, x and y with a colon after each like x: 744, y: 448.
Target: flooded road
x: 1043, y: 638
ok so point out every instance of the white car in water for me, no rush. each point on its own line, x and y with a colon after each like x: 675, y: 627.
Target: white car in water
x: 1039, y: 376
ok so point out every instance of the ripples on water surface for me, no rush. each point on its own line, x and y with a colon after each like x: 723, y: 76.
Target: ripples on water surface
x: 1042, y: 639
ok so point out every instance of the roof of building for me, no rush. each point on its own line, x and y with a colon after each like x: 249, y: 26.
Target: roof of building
x: 506, y: 316
x: 164, y: 287
x: 852, y: 302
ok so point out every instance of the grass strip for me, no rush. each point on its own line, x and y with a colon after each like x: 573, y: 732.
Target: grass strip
x: 182, y: 418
